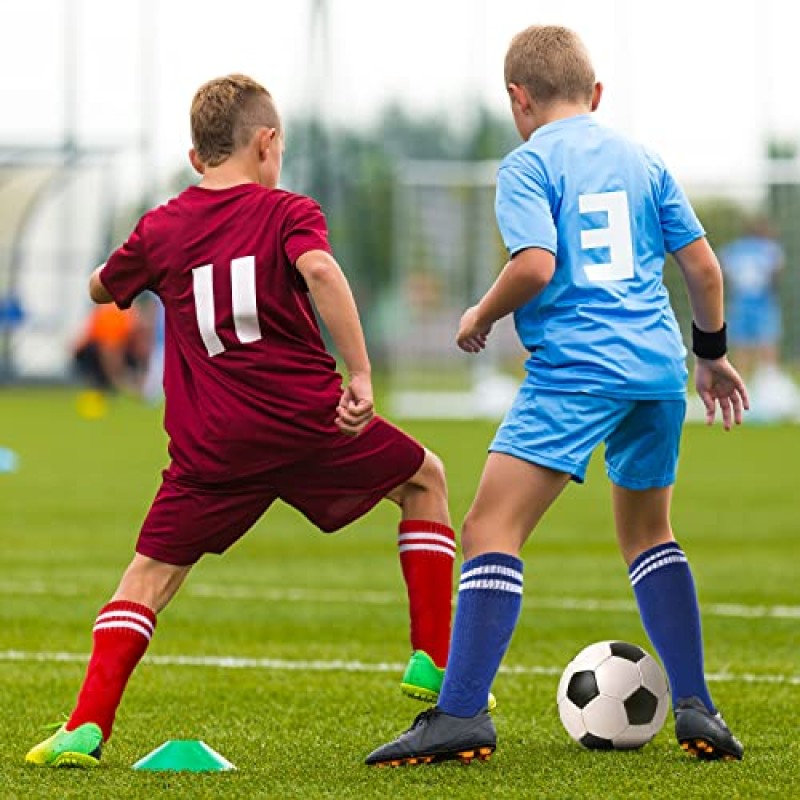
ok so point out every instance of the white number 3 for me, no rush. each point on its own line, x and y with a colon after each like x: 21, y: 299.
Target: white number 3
x: 616, y: 236
x: 243, y: 299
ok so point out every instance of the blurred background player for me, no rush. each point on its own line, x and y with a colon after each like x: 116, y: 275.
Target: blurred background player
x: 752, y: 266
x: 587, y: 217
x: 255, y: 409
x: 110, y: 355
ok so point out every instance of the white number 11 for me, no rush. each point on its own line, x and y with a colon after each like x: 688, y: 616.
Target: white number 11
x: 243, y: 298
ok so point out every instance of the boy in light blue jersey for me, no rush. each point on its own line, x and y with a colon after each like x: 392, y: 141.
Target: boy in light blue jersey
x: 752, y: 265
x: 588, y: 218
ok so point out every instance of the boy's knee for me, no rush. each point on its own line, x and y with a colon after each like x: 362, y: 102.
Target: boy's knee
x: 430, y: 477
x: 433, y: 467
x: 429, y: 480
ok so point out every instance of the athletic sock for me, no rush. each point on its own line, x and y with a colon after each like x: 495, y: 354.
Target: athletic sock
x: 121, y: 634
x: 427, y: 552
x: 489, y: 602
x: 665, y: 592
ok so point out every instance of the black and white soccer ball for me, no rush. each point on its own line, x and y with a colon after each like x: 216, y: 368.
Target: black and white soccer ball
x: 613, y: 696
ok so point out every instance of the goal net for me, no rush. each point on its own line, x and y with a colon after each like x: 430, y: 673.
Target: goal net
x: 446, y: 254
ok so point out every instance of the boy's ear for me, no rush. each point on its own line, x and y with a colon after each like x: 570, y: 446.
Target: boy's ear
x: 519, y: 95
x: 195, y: 161
x: 267, y: 138
x: 597, y: 94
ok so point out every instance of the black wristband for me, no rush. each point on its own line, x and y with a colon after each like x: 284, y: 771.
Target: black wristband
x: 710, y: 345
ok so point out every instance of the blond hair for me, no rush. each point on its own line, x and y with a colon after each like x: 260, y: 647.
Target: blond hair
x: 225, y: 114
x: 552, y: 63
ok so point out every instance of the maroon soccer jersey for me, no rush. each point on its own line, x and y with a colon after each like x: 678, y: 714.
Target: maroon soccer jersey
x: 249, y: 384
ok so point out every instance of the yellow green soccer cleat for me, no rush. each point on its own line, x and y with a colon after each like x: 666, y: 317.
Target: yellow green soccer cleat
x: 422, y: 680
x: 80, y: 748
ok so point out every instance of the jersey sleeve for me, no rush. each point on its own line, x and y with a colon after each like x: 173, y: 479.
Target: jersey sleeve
x: 304, y: 229
x: 523, y: 209
x: 127, y: 272
x: 679, y: 223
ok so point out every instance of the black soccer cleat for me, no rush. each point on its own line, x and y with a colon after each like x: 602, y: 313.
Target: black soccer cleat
x: 703, y: 734
x: 435, y: 736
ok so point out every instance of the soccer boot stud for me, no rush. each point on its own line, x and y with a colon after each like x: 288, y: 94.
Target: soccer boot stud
x: 703, y: 734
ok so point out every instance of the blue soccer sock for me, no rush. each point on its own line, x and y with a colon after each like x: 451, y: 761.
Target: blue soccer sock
x: 664, y: 588
x: 489, y: 602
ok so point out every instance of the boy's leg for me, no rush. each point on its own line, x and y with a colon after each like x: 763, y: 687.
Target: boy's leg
x: 427, y: 548
x: 664, y: 588
x: 641, y: 459
x: 512, y: 497
x: 121, y: 634
x: 343, y: 483
x: 665, y: 592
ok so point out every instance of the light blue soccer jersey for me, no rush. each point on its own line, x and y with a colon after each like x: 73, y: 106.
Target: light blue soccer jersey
x: 750, y: 264
x: 609, y: 210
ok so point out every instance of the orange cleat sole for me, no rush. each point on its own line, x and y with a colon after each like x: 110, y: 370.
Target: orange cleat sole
x: 464, y: 756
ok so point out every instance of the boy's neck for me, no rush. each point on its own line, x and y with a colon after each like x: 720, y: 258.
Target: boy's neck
x: 557, y: 111
x: 231, y: 172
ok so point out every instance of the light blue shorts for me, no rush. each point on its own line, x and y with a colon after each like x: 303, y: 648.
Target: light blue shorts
x: 561, y: 430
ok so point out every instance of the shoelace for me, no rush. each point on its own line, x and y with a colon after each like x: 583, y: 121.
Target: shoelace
x: 422, y: 717
x: 52, y: 727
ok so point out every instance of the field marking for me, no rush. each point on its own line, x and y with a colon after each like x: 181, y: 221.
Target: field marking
x: 210, y: 591
x: 284, y: 665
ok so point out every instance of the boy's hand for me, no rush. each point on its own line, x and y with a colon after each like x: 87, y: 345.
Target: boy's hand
x: 718, y: 382
x: 355, y: 409
x: 472, y: 333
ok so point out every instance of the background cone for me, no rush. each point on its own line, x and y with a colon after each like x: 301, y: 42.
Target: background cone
x: 184, y: 755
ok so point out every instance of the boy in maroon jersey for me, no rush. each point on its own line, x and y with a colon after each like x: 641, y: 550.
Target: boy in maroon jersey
x: 255, y: 410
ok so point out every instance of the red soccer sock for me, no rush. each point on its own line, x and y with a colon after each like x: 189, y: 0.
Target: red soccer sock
x: 427, y: 552
x: 121, y: 634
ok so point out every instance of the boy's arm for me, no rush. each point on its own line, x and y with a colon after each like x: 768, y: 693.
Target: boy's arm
x: 331, y: 293
x: 716, y: 380
x: 703, y: 277
x: 97, y: 291
x: 521, y: 279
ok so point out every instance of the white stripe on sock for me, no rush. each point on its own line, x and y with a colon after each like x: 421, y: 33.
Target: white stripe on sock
x: 434, y: 548
x: 426, y: 537
x: 495, y: 585
x: 493, y: 570
x: 670, y: 558
x: 667, y: 551
x: 102, y: 626
x: 146, y: 621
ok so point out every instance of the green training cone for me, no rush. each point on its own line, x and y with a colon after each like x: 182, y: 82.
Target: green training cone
x: 184, y: 755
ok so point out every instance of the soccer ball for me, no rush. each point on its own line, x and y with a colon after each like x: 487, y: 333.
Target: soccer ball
x: 613, y: 696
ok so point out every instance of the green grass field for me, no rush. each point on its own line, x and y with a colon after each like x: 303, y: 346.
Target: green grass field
x: 293, y: 643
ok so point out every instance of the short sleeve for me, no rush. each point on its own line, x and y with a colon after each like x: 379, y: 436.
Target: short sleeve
x: 127, y: 274
x: 523, y: 209
x: 304, y: 229
x: 679, y: 223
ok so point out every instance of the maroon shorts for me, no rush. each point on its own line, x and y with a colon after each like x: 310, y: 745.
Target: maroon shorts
x: 332, y: 487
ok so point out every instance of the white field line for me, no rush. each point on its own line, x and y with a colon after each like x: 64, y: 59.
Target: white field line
x: 283, y: 665
x: 736, y: 610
